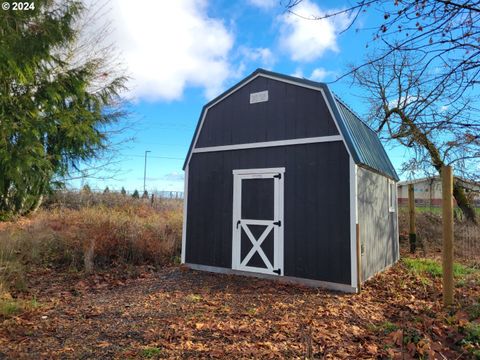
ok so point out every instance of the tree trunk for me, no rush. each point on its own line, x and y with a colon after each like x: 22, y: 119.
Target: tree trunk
x: 437, y: 162
x: 35, y: 205
x: 463, y: 203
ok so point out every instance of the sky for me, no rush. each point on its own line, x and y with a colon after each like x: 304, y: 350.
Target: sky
x: 181, y: 54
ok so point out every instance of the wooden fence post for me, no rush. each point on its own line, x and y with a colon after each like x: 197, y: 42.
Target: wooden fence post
x: 447, y: 218
x: 412, y: 235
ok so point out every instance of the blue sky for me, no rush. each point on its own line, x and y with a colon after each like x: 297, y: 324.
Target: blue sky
x: 180, y: 54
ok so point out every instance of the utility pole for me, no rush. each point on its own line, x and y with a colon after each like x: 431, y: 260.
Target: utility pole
x: 145, y: 171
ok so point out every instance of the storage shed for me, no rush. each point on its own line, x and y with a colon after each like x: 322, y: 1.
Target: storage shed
x: 283, y: 180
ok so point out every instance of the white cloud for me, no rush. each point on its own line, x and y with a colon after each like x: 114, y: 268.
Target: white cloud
x: 264, y: 4
x: 298, y: 73
x: 319, y: 74
x: 262, y: 56
x: 305, y: 37
x: 169, y: 45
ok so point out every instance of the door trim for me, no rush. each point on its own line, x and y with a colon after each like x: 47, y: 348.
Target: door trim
x: 264, y: 173
x: 259, y: 171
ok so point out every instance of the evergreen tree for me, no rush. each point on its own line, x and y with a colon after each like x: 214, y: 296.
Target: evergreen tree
x: 53, y: 109
x: 136, y: 194
x: 123, y: 191
x: 86, y: 188
x: 106, y: 191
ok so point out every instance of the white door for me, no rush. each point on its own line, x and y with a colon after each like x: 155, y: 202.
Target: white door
x: 258, y: 220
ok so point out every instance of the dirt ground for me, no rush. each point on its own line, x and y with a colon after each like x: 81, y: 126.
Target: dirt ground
x: 180, y: 313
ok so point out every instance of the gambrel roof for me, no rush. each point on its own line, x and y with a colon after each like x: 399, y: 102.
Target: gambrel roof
x: 361, y: 141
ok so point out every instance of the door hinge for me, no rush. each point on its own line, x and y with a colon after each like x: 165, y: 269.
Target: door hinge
x: 278, y: 176
x: 278, y: 271
x: 278, y: 223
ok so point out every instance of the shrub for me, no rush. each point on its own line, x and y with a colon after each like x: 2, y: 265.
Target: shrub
x: 89, y: 237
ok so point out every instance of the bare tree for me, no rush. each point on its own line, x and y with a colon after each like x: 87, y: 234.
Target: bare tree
x: 407, y: 107
x: 421, y: 77
x: 441, y: 33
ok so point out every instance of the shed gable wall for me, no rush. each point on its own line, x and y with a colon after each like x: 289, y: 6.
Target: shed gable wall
x: 316, y: 207
x: 291, y: 112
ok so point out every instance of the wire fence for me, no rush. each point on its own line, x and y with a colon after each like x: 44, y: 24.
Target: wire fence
x: 76, y: 199
x: 429, y: 229
x: 162, y: 194
x: 467, y: 242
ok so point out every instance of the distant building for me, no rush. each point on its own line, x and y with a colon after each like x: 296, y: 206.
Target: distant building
x: 428, y: 191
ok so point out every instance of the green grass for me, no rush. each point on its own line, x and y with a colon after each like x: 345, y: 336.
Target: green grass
x: 471, y: 341
x: 434, y: 268
x: 194, y: 298
x: 472, y: 333
x: 411, y: 336
x: 11, y: 307
x: 150, y: 352
x: 384, y: 328
x: 473, y: 311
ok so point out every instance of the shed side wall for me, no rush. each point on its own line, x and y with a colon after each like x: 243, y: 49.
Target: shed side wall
x: 316, y: 207
x: 378, y: 226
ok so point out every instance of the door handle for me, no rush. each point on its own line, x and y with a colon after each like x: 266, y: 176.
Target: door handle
x: 278, y: 223
x: 278, y: 271
x: 238, y: 223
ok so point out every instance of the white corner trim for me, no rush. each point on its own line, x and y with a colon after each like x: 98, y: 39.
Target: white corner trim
x: 309, y: 140
x: 194, y: 146
x: 185, y: 208
x: 353, y: 223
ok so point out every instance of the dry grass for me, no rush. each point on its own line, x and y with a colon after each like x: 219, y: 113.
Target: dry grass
x: 86, y: 238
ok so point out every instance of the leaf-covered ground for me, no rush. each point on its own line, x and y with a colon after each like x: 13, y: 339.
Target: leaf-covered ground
x: 179, y: 313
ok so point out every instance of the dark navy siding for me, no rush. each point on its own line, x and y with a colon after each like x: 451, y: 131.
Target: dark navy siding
x: 291, y: 112
x: 316, y: 208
